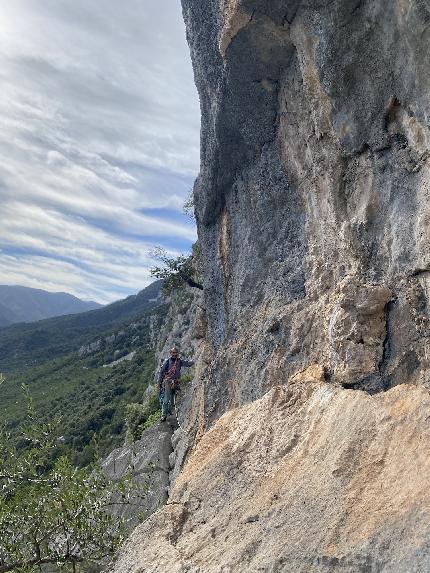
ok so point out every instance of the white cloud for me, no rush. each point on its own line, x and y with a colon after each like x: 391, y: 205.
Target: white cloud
x: 36, y: 271
x: 88, y: 260
x: 99, y: 125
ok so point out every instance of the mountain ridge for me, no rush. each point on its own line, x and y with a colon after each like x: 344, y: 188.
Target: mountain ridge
x: 25, y: 304
x: 61, y: 362
x: 27, y: 344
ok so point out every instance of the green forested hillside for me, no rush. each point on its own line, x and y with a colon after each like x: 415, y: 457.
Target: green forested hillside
x: 26, y: 345
x: 90, y: 401
x: 82, y: 387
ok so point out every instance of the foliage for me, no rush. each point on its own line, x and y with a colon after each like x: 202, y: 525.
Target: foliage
x: 153, y: 419
x: 52, y: 512
x: 47, y: 500
x: 91, y: 401
x: 90, y: 398
x: 139, y: 417
x: 188, y: 207
x: 186, y: 378
x: 175, y: 272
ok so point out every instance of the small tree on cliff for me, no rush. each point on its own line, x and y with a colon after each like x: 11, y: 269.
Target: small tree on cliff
x: 175, y: 271
x: 52, y: 512
x: 188, y: 207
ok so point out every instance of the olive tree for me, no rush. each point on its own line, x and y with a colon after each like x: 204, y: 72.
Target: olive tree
x: 51, y: 511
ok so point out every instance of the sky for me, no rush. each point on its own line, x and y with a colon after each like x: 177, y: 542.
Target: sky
x: 99, y: 143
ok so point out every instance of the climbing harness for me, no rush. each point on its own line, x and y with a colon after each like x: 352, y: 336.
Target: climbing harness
x: 171, y: 373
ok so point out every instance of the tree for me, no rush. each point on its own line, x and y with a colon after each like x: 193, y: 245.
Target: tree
x: 52, y: 512
x: 175, y: 271
x: 188, y: 207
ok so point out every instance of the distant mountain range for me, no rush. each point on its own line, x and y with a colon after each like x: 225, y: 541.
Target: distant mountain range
x: 22, y: 345
x: 23, y: 304
x: 61, y: 361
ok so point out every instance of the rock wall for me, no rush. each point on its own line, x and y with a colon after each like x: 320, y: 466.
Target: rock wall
x: 307, y: 417
x: 312, y: 200
x: 309, y: 479
x: 185, y: 328
x: 148, y: 462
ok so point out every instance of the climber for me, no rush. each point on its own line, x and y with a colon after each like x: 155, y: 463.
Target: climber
x: 169, y: 380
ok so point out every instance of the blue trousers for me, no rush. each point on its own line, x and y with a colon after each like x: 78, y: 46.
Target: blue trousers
x: 167, y: 396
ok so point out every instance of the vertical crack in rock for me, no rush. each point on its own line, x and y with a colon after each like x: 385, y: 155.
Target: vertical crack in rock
x: 387, y: 349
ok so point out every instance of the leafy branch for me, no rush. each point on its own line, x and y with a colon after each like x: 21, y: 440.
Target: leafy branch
x: 188, y: 207
x: 53, y: 512
x: 175, y: 271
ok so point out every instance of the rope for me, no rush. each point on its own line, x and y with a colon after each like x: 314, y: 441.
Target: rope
x: 176, y: 413
x: 186, y: 433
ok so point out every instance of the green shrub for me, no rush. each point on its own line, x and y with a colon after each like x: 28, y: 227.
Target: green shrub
x: 137, y: 415
x: 53, y: 513
x: 175, y: 272
x: 153, y: 418
x: 186, y: 379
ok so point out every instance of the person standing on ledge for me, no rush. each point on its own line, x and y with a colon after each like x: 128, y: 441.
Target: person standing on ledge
x: 169, y: 380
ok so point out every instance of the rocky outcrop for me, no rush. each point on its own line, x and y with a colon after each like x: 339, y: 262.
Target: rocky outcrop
x: 312, y: 200
x: 127, y: 358
x: 307, y: 417
x: 147, y: 461
x: 185, y: 327
x: 310, y: 478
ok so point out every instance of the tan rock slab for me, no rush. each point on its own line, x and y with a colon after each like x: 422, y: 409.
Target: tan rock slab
x: 310, y: 478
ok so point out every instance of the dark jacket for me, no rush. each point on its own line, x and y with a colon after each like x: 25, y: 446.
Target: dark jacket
x: 177, y: 373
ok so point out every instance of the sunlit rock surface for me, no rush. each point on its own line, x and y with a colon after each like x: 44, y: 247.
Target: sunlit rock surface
x: 310, y: 478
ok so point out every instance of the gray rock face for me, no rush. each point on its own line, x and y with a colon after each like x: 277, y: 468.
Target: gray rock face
x: 313, y: 209
x: 148, y: 460
x: 182, y: 326
x: 185, y: 327
x: 312, y: 200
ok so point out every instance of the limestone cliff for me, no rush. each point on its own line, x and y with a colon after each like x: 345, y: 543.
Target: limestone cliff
x: 184, y: 327
x: 309, y: 411
x: 312, y: 199
x: 310, y: 478
x: 148, y: 462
